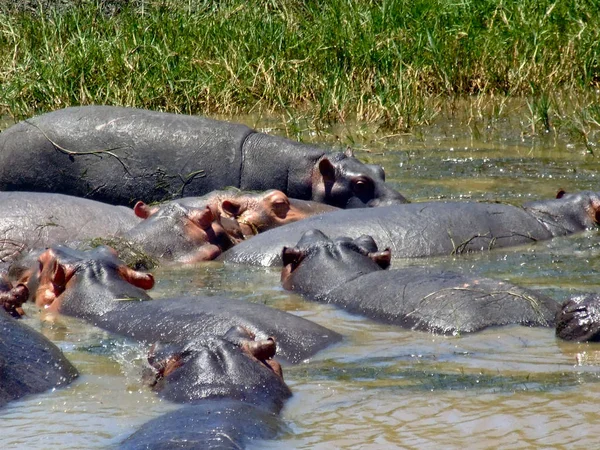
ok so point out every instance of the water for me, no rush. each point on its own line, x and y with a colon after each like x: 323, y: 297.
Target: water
x: 382, y: 387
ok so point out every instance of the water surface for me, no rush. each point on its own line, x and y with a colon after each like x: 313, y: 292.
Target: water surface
x: 382, y: 387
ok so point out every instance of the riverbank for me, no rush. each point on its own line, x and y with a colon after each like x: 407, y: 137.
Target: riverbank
x: 399, y: 65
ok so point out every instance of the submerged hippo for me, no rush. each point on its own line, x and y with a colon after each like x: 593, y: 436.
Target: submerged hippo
x: 31, y: 219
x: 435, y: 228
x: 579, y: 319
x: 350, y: 273
x: 96, y: 286
x: 120, y: 155
x: 29, y: 363
x: 233, y: 366
x: 211, y: 424
x: 255, y: 212
x: 195, y: 229
x: 177, y: 233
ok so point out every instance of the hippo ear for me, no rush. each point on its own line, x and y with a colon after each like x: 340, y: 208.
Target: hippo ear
x: 142, y: 280
x: 382, y: 259
x: 349, y: 153
x: 232, y: 207
x: 202, y: 218
x: 279, y: 203
x: 366, y: 243
x: 327, y: 170
x: 561, y: 193
x: 143, y: 211
x: 595, y: 210
x: 291, y: 255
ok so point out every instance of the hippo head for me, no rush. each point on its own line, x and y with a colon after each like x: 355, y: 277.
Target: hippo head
x: 568, y: 213
x: 320, y: 264
x: 179, y: 233
x: 74, y: 282
x: 343, y: 181
x: 256, y: 213
x: 579, y: 319
x: 234, y: 366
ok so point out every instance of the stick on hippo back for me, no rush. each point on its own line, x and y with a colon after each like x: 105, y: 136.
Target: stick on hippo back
x: 120, y: 155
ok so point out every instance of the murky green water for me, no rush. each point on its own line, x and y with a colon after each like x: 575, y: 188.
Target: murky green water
x: 382, y: 387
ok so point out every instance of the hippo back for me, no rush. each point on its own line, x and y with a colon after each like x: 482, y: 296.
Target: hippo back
x: 411, y: 230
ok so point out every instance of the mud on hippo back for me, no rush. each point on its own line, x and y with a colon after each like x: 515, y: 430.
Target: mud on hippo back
x: 121, y: 155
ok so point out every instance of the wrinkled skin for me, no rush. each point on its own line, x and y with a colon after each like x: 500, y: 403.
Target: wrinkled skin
x: 86, y: 284
x: 129, y: 154
x: 31, y: 219
x: 29, y: 363
x: 579, y: 319
x: 435, y: 228
x: 348, y: 272
x: 212, y: 424
x: 254, y: 212
x: 177, y: 233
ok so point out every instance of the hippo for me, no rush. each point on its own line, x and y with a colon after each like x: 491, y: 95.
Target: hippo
x: 195, y: 229
x: 435, y: 228
x: 185, y: 235
x: 255, y: 212
x: 579, y: 319
x: 195, y: 370
x: 221, y: 424
x: 29, y: 363
x: 235, y: 389
x: 350, y: 274
x: 32, y: 219
x: 96, y: 286
x: 121, y: 155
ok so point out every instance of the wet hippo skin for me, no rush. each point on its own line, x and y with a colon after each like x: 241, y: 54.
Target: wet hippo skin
x: 434, y: 228
x: 29, y: 363
x: 212, y: 424
x: 350, y: 274
x: 579, y: 319
x: 122, y: 155
x: 96, y: 286
x: 195, y: 229
x: 31, y: 219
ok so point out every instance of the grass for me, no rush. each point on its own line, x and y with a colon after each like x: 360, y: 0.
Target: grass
x: 396, y: 63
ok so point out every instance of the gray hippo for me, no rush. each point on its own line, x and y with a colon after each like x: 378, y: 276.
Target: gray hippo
x: 29, y: 363
x: 96, y: 286
x: 121, y: 155
x: 435, y: 228
x: 31, y: 219
x: 349, y: 273
x: 211, y: 424
x: 235, y: 389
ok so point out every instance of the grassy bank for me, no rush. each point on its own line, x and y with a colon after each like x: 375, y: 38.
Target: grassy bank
x: 396, y: 63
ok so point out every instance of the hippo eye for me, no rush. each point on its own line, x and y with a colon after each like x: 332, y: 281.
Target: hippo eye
x: 362, y: 185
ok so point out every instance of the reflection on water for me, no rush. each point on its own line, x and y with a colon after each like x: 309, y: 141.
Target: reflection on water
x: 382, y: 387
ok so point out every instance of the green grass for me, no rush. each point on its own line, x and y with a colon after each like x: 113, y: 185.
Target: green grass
x: 397, y: 63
